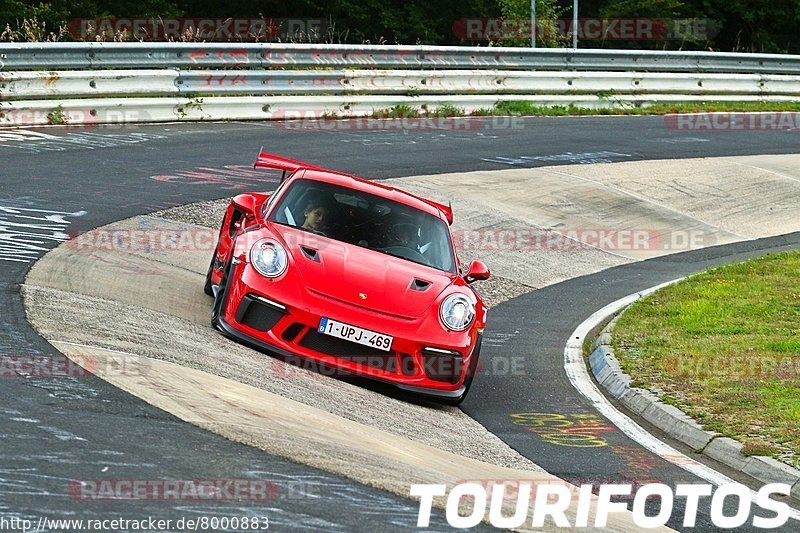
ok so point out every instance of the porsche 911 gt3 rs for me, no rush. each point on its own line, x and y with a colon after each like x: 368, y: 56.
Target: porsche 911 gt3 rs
x: 350, y: 275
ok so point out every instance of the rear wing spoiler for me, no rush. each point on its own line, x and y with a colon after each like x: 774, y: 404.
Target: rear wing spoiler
x: 290, y: 166
x: 265, y: 160
x: 447, y: 210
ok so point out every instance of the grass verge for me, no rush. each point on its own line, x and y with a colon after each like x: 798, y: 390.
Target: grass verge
x: 523, y: 108
x: 724, y: 346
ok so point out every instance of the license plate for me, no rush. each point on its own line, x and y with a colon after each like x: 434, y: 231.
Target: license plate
x: 355, y: 334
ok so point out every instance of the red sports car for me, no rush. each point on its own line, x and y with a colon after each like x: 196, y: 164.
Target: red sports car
x: 349, y: 275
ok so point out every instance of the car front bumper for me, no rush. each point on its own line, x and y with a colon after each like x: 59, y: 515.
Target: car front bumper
x: 283, y: 318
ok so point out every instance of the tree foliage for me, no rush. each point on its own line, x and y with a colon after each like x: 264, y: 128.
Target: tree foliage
x: 546, y: 12
x: 733, y: 25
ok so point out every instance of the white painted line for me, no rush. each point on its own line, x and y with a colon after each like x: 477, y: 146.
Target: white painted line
x: 779, y: 174
x: 94, y: 347
x: 578, y: 374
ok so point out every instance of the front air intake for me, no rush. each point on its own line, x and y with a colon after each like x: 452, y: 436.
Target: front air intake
x: 259, y: 313
x: 442, y: 365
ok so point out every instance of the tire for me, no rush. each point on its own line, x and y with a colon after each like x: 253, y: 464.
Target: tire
x: 473, y: 365
x: 222, y: 295
x: 208, y: 288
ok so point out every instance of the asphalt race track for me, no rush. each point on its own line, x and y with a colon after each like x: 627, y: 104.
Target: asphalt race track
x: 57, y: 430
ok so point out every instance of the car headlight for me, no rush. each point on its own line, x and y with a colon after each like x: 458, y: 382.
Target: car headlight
x: 457, y: 312
x: 269, y: 258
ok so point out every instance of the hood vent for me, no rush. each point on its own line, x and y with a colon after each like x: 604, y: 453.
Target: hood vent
x: 310, y: 253
x: 420, y: 285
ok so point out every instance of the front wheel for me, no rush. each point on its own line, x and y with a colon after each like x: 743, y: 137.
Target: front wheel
x: 221, y: 295
x: 208, y: 288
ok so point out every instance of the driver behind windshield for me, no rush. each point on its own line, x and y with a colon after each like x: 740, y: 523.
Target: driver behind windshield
x: 318, y: 213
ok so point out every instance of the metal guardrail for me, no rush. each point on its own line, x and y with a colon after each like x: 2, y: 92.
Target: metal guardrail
x: 102, y: 55
x: 43, y: 83
x: 305, y: 109
x: 27, y: 85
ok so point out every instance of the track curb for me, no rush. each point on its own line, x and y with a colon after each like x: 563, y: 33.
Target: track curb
x: 609, y: 374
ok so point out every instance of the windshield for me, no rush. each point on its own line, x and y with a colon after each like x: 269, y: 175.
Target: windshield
x: 368, y: 221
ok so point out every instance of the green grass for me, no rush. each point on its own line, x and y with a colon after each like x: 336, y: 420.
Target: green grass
x: 407, y: 111
x: 724, y: 346
x: 398, y: 111
x: 525, y: 108
x: 56, y: 116
x: 522, y: 108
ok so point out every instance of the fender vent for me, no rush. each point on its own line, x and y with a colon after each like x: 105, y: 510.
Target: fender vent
x: 420, y: 285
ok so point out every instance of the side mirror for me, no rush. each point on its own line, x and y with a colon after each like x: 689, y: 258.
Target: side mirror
x: 250, y: 204
x: 477, y: 271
